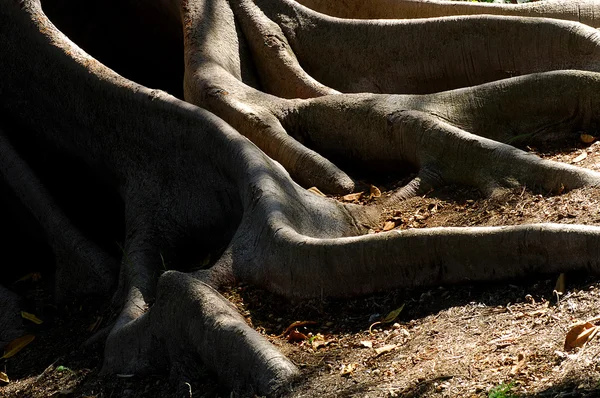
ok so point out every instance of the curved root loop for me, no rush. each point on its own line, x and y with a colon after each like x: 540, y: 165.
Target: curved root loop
x: 423, y: 183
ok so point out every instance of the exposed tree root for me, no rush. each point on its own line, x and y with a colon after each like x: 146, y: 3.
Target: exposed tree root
x: 372, y: 60
x: 192, y: 324
x: 218, y: 79
x: 457, y: 52
x: 279, y: 71
x: 192, y: 184
x: 584, y: 11
x: 386, y: 131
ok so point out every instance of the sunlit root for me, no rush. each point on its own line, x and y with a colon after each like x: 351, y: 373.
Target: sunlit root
x: 584, y: 11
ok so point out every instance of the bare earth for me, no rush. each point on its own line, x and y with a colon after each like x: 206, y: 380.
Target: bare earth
x: 460, y: 341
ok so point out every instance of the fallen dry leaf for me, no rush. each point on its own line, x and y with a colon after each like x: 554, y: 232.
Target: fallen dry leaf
x: 352, y: 197
x: 295, y: 325
x: 31, y: 317
x: 374, y: 192
x: 316, y: 344
x: 579, y: 158
x: 4, y: 378
x: 17, y: 345
x: 385, y: 348
x: 366, y: 344
x: 295, y: 336
x: 347, y: 370
x: 579, y: 335
x: 389, y: 225
x: 586, y: 138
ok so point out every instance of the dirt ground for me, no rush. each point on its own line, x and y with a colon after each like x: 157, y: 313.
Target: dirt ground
x: 486, y: 340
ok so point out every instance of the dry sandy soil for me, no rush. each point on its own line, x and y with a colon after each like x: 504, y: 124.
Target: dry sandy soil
x: 495, y: 340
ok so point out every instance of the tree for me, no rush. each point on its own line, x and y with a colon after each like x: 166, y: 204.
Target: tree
x: 450, y: 98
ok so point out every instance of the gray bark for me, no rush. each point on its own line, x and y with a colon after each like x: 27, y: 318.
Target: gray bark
x: 585, y: 11
x: 191, y: 184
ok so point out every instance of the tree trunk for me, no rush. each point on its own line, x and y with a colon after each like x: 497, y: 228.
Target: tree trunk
x: 192, y: 184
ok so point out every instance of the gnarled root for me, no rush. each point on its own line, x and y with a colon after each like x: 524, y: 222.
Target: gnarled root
x: 187, y: 178
x: 434, y: 54
x: 372, y: 59
x: 192, y: 323
x: 218, y: 78
x: 454, y: 137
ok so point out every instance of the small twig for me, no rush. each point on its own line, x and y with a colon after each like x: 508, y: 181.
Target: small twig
x: 557, y: 295
x: 295, y: 325
x: 594, y: 320
x: 371, y: 327
x: 46, y: 370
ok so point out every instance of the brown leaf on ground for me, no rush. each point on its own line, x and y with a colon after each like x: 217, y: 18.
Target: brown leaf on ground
x: 374, y: 192
x: 17, y: 345
x: 4, y: 378
x: 295, y: 325
x: 295, y: 336
x: 389, y: 225
x: 579, y: 335
x: 352, y: 197
x: 586, y: 138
